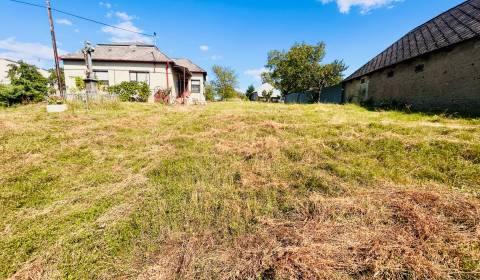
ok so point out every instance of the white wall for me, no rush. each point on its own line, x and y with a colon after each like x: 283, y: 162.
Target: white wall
x: 198, y: 96
x: 4, y: 71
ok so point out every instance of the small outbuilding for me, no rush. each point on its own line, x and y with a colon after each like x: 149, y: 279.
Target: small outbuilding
x: 435, y: 67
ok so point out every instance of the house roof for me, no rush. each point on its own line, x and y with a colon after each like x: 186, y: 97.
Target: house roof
x: 42, y: 71
x: 267, y: 87
x: 9, y: 60
x: 454, y: 26
x: 133, y: 52
x: 192, y: 67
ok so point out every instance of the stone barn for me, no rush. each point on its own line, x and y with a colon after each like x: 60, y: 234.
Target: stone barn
x: 435, y: 67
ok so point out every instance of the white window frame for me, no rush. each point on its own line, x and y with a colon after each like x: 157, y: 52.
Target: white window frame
x: 106, y: 81
x: 136, y: 76
x: 199, y: 86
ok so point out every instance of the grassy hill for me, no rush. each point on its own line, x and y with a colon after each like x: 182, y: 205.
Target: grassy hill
x: 238, y: 190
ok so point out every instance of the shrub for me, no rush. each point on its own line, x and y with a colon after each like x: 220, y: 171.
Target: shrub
x: 131, y: 91
x: 10, y: 95
x: 55, y: 100
x: 79, y: 83
x: 27, y: 85
x: 209, y: 93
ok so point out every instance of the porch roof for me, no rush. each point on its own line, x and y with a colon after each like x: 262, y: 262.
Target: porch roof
x: 192, y: 67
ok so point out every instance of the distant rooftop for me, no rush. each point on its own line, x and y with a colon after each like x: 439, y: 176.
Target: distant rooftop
x: 459, y: 24
x: 9, y: 60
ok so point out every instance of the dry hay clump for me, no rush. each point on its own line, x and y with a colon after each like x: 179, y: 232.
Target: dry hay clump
x: 407, y: 234
x: 265, y: 148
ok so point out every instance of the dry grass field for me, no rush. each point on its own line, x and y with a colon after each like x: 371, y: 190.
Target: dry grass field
x: 238, y: 191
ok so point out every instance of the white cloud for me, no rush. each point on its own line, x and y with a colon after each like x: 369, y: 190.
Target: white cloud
x: 64, y: 21
x: 365, y: 5
x: 123, y: 36
x: 76, y: 30
x: 216, y: 57
x: 106, y: 5
x: 126, y: 23
x: 124, y: 16
x: 256, y: 74
x: 33, y: 53
x: 204, y: 48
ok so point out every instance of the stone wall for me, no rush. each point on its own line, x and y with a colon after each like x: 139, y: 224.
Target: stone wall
x: 448, y: 80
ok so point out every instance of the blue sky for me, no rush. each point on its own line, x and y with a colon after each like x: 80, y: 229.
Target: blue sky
x: 235, y: 33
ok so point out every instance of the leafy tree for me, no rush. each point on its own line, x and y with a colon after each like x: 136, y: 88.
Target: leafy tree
x: 250, y: 91
x: 242, y: 95
x: 225, y: 82
x: 80, y: 83
x: 209, y: 93
x: 301, y: 70
x: 52, y: 79
x: 131, y: 91
x: 27, y: 84
x: 267, y: 94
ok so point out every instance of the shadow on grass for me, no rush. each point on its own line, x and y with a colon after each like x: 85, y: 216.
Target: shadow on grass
x: 407, y: 109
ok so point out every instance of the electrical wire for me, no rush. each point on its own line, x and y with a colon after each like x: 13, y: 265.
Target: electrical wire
x: 82, y: 18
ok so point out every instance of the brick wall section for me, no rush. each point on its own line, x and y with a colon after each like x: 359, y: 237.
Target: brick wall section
x: 449, y: 81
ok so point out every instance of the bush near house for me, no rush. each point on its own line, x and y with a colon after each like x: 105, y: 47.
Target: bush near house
x: 238, y: 190
x: 79, y: 84
x: 131, y: 91
x: 10, y: 95
x: 26, y: 85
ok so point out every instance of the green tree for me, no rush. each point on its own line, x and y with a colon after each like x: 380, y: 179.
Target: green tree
x: 250, y: 91
x: 267, y: 94
x: 52, y: 79
x: 225, y: 82
x: 209, y: 93
x: 28, y: 84
x: 80, y: 83
x: 301, y: 70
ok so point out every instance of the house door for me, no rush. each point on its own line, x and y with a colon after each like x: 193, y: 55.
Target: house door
x: 363, y: 94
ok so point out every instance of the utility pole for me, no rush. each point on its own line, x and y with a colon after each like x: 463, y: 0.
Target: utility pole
x: 55, y: 51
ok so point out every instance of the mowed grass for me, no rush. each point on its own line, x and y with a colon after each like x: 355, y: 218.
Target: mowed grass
x: 238, y: 191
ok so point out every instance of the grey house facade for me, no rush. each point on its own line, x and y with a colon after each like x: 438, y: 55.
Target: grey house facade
x: 435, y: 67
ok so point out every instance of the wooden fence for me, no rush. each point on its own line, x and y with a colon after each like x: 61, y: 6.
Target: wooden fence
x: 85, y: 97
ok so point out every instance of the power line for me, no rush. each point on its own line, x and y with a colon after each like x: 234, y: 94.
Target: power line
x: 81, y: 17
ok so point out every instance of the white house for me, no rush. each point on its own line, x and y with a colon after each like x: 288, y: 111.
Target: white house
x: 268, y: 87
x: 117, y: 63
x: 4, y: 67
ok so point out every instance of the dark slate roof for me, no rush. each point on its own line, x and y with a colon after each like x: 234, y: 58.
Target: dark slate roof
x: 456, y: 25
x: 135, y: 52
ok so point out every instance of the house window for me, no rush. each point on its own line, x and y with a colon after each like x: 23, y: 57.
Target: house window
x: 419, y: 68
x: 101, y: 76
x: 390, y: 74
x: 140, y: 77
x: 195, y: 86
x: 362, y: 81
